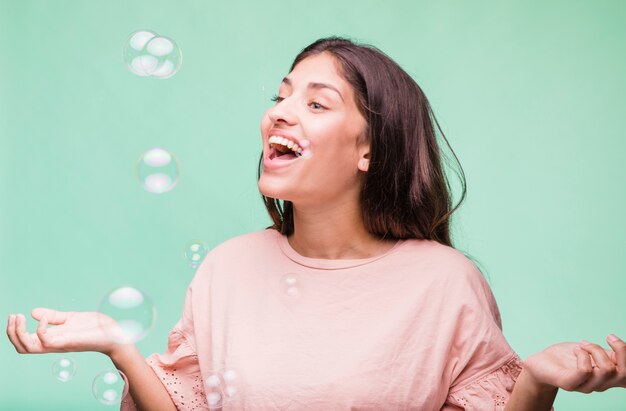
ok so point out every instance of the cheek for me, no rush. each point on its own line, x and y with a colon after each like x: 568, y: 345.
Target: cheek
x: 265, y: 120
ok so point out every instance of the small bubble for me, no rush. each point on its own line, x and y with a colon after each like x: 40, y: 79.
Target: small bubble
x: 194, y: 253
x: 110, y: 386
x: 64, y: 369
x: 306, y: 151
x: 158, y: 170
x: 291, y: 285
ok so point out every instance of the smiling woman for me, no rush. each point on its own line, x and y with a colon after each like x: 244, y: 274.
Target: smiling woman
x: 355, y: 298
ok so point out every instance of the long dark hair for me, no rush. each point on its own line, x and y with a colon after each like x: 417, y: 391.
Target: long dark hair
x: 405, y: 192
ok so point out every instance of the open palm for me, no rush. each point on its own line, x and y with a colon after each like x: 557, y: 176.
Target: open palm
x: 72, y: 332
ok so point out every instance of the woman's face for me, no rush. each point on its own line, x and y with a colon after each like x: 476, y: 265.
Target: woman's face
x: 315, y: 104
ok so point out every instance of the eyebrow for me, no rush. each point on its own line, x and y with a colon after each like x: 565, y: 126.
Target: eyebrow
x: 316, y: 86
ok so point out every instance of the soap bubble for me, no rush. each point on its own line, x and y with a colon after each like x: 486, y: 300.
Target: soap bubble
x: 231, y: 380
x: 158, y: 170
x: 128, y: 315
x: 306, y: 150
x: 64, y: 369
x: 291, y: 285
x: 220, y: 387
x: 195, y: 251
x: 148, y: 54
x: 136, y: 59
x: 110, y: 387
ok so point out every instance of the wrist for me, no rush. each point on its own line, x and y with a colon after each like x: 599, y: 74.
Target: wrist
x: 120, y: 351
x: 533, y: 387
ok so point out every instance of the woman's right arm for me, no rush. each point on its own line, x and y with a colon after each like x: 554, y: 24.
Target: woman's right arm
x: 144, y: 386
x: 87, y: 331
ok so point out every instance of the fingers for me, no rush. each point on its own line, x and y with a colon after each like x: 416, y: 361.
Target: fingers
x: 599, y: 355
x: 583, y: 361
x: 12, y: 334
x: 42, y: 330
x: 30, y: 342
x: 604, y: 375
x: 619, y: 348
x: 54, y: 317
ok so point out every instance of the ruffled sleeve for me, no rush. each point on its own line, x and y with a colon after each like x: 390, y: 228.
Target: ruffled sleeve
x: 178, y: 368
x: 488, y: 392
x: 483, y: 368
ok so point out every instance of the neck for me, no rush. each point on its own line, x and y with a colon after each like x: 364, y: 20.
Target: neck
x: 335, y: 231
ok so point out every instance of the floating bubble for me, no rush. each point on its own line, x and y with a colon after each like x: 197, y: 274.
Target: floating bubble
x: 306, y: 151
x: 127, y: 315
x: 148, y: 54
x: 220, y: 387
x: 135, y: 57
x: 291, y: 285
x: 195, y: 251
x: 110, y: 387
x: 158, y: 170
x: 64, y: 369
x: 231, y: 381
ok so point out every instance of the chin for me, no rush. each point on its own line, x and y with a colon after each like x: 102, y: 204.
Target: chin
x: 273, y: 192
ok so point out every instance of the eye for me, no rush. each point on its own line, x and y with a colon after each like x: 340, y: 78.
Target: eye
x: 317, y: 105
x: 276, y: 99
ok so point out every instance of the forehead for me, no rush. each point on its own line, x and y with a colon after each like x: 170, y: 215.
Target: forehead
x: 323, y: 68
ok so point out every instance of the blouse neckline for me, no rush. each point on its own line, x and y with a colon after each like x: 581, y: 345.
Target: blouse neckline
x: 329, y: 264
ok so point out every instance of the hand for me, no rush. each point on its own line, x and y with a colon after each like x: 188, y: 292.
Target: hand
x: 579, y: 367
x: 73, y: 331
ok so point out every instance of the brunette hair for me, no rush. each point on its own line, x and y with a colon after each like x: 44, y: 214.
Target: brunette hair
x: 405, y: 192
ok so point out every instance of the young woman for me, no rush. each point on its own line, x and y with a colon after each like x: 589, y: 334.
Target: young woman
x: 354, y: 299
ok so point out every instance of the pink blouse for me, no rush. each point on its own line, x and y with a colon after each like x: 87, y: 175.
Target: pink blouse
x: 265, y: 328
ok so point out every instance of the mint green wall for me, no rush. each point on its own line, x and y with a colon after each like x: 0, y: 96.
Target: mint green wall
x: 531, y: 95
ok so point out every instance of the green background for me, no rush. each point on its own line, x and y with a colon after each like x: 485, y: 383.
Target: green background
x: 531, y: 95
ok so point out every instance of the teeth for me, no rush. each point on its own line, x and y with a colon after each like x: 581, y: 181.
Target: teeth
x: 285, y: 142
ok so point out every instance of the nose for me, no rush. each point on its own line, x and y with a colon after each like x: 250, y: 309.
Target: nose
x: 282, y: 112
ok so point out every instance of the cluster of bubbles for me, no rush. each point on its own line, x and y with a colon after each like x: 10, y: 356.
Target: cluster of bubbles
x: 109, y: 387
x: 147, y: 54
x: 126, y: 315
x: 220, y: 387
x: 194, y: 253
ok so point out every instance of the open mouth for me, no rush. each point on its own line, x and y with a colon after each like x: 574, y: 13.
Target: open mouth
x: 281, y: 151
x: 283, y: 155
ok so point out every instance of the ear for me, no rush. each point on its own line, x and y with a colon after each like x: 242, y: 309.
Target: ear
x: 364, y: 160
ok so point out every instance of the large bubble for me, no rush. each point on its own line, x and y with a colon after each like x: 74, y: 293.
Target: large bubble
x: 127, y: 315
x: 110, y: 387
x: 148, y: 54
x: 158, y: 170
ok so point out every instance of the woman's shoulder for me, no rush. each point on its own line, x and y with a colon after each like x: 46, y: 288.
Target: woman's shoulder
x: 244, y: 243
x: 435, y: 253
x: 255, y: 238
x: 232, y: 249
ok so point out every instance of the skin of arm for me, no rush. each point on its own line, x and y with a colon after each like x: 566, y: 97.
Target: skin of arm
x: 528, y: 395
x: 144, y: 385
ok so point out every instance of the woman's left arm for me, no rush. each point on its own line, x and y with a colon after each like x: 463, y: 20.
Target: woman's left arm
x: 583, y: 367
